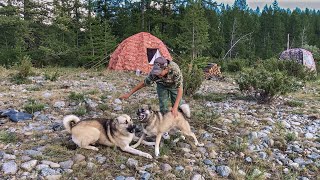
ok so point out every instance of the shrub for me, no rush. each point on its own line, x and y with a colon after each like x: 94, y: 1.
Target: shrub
x: 24, y: 71
x: 291, y: 68
x: 233, y: 65
x: 76, y: 97
x: 8, y: 137
x: 33, y: 106
x: 80, y: 111
x: 192, y: 79
x: 51, y: 76
x: 266, y: 85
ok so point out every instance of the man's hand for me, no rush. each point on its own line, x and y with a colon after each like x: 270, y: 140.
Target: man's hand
x: 174, y: 112
x: 125, y: 96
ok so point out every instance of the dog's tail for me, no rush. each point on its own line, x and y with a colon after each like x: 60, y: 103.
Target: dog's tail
x: 186, y: 110
x: 69, y: 121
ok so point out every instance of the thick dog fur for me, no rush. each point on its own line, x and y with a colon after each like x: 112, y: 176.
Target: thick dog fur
x: 156, y: 124
x: 110, y: 132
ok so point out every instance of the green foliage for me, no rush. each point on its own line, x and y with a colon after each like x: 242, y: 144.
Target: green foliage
x: 80, y: 111
x: 237, y: 145
x: 76, y: 97
x: 290, y: 137
x: 8, y: 137
x: 294, y: 103
x: 52, y: 76
x: 192, y: 79
x: 212, y: 97
x: 32, y: 106
x: 266, y: 85
x: 290, y: 68
x: 24, y: 71
x: 314, y: 50
x: 103, y: 107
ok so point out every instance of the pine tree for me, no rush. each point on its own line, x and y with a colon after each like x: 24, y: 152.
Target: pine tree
x: 194, y: 38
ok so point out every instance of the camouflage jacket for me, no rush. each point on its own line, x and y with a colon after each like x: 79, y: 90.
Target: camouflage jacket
x: 173, y: 79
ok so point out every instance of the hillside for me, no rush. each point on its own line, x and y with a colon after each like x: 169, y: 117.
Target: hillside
x: 243, y: 139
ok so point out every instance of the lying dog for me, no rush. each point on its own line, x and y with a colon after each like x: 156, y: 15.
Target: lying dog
x: 115, y: 132
x: 157, y: 124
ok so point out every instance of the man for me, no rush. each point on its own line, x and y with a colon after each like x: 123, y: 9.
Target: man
x: 169, y: 80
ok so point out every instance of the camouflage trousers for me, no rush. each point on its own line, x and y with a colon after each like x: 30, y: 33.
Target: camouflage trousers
x: 166, y: 95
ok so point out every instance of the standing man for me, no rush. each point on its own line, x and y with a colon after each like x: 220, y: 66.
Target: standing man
x: 168, y: 77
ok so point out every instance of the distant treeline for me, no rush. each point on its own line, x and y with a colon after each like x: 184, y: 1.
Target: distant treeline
x: 77, y: 32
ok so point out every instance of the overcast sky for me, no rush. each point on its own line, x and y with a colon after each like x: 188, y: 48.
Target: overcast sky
x: 292, y: 4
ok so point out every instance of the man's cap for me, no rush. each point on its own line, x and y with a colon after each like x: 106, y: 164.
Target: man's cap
x: 159, y: 64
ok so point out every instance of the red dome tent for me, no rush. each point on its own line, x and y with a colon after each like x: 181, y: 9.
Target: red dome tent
x: 136, y: 52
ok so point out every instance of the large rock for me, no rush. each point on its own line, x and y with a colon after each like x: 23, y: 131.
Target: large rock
x: 10, y: 167
x: 223, y: 171
x: 29, y: 165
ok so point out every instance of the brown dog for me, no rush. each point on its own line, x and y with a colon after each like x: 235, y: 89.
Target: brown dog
x: 110, y: 132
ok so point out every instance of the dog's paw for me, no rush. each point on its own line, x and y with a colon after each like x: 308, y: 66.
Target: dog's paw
x: 95, y: 149
x: 148, y: 156
x: 200, y: 144
x: 157, y: 153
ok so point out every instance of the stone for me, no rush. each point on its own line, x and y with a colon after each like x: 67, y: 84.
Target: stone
x: 120, y: 178
x: 51, y: 164
x: 223, y: 171
x: 29, y: 165
x: 256, y: 173
x: 294, y: 165
x: 91, y: 165
x: 59, y: 104
x: 145, y: 175
x: 165, y: 167
x: 179, y: 169
x: 54, y: 177
x: 197, y: 177
x: 309, y: 136
x: 122, y: 166
x: 78, y: 158
x: 9, y: 156
x: 66, y: 164
x: 101, y: 159
x: 10, y: 167
x: 41, y: 166
x: 263, y: 155
x: 32, y: 153
x: 208, y: 162
x: 248, y: 159
x: 313, y: 156
x: 48, y: 171
x: 117, y: 101
x: 117, y: 108
x: 132, y: 163
x: 130, y: 178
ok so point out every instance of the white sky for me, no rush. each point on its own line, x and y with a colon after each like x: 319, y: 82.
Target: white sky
x: 292, y: 4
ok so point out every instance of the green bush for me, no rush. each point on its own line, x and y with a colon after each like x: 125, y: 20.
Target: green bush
x: 51, y: 76
x: 290, y: 68
x: 192, y: 79
x: 33, y: 106
x: 233, y: 65
x: 8, y: 137
x: 266, y: 85
x: 76, y: 97
x: 24, y: 71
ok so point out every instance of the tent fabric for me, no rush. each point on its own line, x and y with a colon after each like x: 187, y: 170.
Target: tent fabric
x: 132, y: 55
x: 301, y: 56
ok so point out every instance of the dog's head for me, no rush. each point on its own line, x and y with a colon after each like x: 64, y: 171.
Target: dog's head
x: 144, y: 114
x: 124, y: 123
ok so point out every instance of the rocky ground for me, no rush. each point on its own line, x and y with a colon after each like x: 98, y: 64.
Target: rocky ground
x: 243, y: 139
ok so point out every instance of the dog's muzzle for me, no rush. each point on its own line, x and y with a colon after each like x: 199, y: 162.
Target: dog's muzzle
x: 131, y: 128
